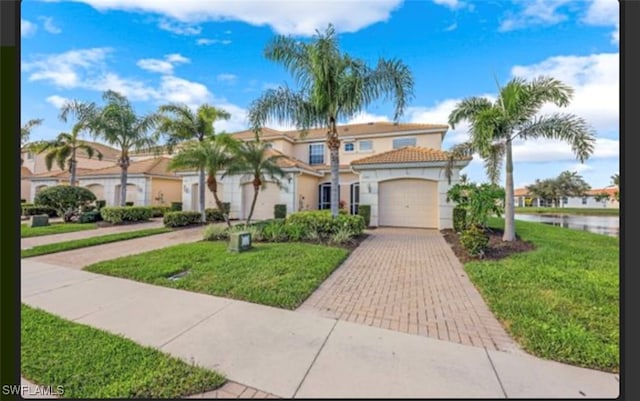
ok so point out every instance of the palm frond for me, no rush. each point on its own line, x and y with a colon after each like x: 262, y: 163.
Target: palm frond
x: 467, y: 109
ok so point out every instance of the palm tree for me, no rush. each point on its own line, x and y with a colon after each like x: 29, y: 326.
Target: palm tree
x: 615, y: 180
x: 255, y: 160
x: 180, y: 123
x: 333, y: 87
x: 210, y: 155
x: 25, y: 132
x: 514, y: 116
x: 117, y: 124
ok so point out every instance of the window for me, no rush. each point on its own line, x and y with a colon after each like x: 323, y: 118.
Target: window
x: 349, y: 147
x: 365, y: 146
x: 316, y: 153
x: 584, y: 200
x: 29, y: 155
x: 269, y: 145
x: 355, y: 197
x: 565, y: 200
x: 402, y: 142
x: 324, y: 200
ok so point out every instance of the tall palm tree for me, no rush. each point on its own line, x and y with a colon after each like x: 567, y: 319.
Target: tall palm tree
x: 25, y: 132
x: 333, y: 87
x: 210, y: 155
x: 118, y: 125
x: 514, y: 116
x: 257, y: 161
x: 181, y: 124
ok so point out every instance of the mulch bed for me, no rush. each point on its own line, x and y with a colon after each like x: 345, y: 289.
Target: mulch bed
x: 498, y: 249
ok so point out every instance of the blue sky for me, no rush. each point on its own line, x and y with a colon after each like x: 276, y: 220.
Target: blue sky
x: 196, y: 51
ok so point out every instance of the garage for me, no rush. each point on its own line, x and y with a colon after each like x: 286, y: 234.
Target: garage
x: 98, y: 190
x: 408, y: 203
x: 267, y: 198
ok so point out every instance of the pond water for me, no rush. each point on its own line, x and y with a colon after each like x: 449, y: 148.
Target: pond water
x: 607, y: 225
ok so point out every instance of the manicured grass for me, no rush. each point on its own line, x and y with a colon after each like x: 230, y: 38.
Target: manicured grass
x: 276, y: 274
x: 560, y: 301
x: 91, y: 363
x: 91, y: 241
x: 569, y: 210
x: 54, y: 228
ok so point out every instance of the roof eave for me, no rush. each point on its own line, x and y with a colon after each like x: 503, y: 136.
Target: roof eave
x: 391, y: 165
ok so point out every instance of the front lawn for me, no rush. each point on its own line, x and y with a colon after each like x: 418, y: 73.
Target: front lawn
x: 54, y: 228
x: 569, y: 210
x: 561, y: 300
x: 276, y: 274
x: 91, y: 363
x: 90, y: 241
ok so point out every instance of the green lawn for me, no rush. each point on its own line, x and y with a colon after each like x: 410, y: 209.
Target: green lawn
x: 91, y: 363
x: 569, y: 210
x: 54, y: 228
x: 90, y: 241
x: 560, y: 301
x: 276, y: 274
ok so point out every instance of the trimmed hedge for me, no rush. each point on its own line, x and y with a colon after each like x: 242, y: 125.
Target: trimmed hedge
x: 159, y: 211
x: 321, y: 222
x: 214, y: 215
x: 280, y: 211
x: 121, y: 214
x: 33, y: 210
x: 181, y: 219
x: 459, y: 219
x: 365, y: 212
x: 176, y: 206
x: 90, y: 217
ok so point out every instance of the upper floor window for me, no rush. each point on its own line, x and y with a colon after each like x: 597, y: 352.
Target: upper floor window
x: 365, y: 146
x: 269, y: 145
x: 402, y: 142
x: 349, y: 147
x: 316, y: 153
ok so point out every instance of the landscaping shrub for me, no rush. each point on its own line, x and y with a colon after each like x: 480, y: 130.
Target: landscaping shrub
x: 101, y: 203
x: 159, y: 211
x: 176, y: 206
x: 32, y: 210
x: 280, y: 211
x: 214, y: 215
x: 65, y: 199
x: 255, y: 231
x: 181, y: 219
x: 480, y: 201
x: 90, y: 217
x: 294, y: 232
x: 121, y: 214
x: 474, y: 240
x: 215, y: 232
x: 459, y: 219
x: 128, y: 203
x: 275, y: 232
x: 324, y: 224
x: 341, y: 237
x: 365, y: 212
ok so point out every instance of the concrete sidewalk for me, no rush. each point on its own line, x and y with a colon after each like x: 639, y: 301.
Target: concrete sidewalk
x: 292, y: 354
x: 50, y: 239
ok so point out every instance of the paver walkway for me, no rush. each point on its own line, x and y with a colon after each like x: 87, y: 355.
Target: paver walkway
x: 79, y: 258
x: 292, y: 354
x: 50, y: 239
x: 409, y: 280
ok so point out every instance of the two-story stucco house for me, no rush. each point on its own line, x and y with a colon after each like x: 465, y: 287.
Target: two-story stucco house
x: 397, y: 169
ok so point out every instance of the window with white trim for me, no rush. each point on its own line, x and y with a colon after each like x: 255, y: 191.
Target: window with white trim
x: 316, y: 153
x: 365, y: 146
x: 402, y: 142
x: 349, y: 147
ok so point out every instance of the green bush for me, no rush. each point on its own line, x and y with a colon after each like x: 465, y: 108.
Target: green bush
x: 324, y: 224
x: 101, y: 203
x: 121, y: 214
x: 90, y: 217
x: 176, y: 206
x: 128, y: 203
x: 32, y: 210
x: 65, y: 199
x: 87, y: 208
x: 226, y: 207
x: 215, y: 232
x: 341, y: 237
x: 365, y: 212
x: 275, y: 232
x: 159, y: 211
x: 214, y: 215
x: 474, y: 240
x: 181, y: 219
x: 23, y: 201
x: 280, y: 211
x: 459, y: 219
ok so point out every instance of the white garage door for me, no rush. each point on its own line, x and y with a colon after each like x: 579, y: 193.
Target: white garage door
x: 267, y: 198
x: 408, y: 203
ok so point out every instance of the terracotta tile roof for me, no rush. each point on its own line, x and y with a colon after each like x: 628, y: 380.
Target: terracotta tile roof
x: 267, y: 133
x: 25, y: 172
x: 611, y: 191
x: 520, y: 192
x: 61, y: 174
x: 290, y: 162
x: 157, y: 166
x: 407, y: 154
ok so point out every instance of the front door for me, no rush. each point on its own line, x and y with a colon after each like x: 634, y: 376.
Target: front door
x: 324, y: 200
x: 355, y: 197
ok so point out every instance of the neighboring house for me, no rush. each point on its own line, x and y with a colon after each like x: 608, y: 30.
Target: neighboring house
x: 397, y: 169
x: 523, y: 198
x: 25, y: 183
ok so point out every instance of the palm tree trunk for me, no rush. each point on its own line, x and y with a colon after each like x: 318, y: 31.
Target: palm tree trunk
x: 213, y: 187
x: 124, y: 165
x: 334, y: 151
x: 72, y: 168
x: 509, y: 216
x: 256, y: 188
x: 201, y: 193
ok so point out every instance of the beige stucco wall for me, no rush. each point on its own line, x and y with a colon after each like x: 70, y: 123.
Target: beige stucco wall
x: 307, y: 192
x: 171, y: 190
x: 282, y: 145
x: 25, y: 189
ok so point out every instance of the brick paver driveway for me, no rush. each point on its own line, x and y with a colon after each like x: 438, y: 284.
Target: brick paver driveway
x: 409, y: 280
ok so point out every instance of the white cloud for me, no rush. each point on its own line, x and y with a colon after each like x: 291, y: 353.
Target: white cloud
x: 206, y: 42
x: 49, y: 25
x: 451, y: 27
x: 57, y: 101
x: 453, y: 4
x: 228, y: 78
x: 162, y: 66
x: 364, y: 117
x: 581, y: 168
x: 133, y: 89
x: 65, y: 69
x: 177, y: 58
x: 604, y: 13
x: 297, y: 18
x: 179, y: 28
x: 536, y: 12
x: 545, y: 150
x: 27, y: 28
x: 178, y: 90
